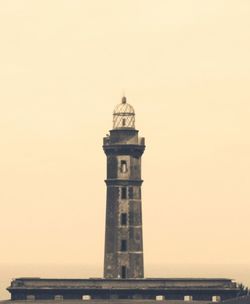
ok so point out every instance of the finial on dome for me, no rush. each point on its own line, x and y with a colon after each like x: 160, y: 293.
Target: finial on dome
x: 124, y: 99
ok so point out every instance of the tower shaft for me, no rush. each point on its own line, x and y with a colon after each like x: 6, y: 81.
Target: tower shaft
x: 123, y: 235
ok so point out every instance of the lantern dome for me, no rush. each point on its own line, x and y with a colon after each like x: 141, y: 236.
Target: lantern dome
x: 124, y: 115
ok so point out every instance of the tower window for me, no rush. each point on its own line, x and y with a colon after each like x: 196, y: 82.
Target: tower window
x: 124, y: 166
x: 123, y: 272
x: 124, y: 219
x: 123, y: 122
x: 131, y: 192
x: 124, y: 193
x: 124, y: 245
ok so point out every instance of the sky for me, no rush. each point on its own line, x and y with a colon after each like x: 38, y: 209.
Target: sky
x: 184, y: 66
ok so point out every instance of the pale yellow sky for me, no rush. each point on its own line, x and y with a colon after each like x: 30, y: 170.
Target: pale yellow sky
x: 185, y: 67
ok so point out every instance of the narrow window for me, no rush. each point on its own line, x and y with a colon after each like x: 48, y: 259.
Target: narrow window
x: 124, y: 166
x: 124, y: 193
x: 124, y: 245
x: 131, y: 192
x: 124, y: 122
x: 160, y: 298
x: 124, y: 272
x: 124, y: 219
x: 216, y: 299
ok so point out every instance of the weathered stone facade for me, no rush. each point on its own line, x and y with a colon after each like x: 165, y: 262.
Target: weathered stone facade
x: 123, y: 236
x: 147, y: 289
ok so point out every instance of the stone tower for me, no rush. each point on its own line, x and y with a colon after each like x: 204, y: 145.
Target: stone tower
x: 123, y: 236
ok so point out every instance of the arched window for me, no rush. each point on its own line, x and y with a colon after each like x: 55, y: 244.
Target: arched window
x: 124, y: 166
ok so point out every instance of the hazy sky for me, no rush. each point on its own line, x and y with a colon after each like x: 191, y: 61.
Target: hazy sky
x: 185, y: 67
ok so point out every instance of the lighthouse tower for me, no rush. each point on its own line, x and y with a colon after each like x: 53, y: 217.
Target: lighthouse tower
x: 123, y: 236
